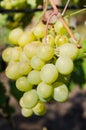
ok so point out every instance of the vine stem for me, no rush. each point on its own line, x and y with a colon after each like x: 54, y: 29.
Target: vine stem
x: 64, y: 23
x: 63, y: 12
x: 76, y: 12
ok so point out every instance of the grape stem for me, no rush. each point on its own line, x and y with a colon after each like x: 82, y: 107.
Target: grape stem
x: 64, y: 10
x: 59, y: 15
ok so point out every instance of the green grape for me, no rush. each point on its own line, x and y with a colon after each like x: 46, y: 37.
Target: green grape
x: 8, y: 5
x: 60, y: 93
x: 39, y: 30
x: 16, y: 52
x: 64, y: 65
x: 59, y: 27
x: 39, y: 109
x: 30, y: 98
x: 23, y: 84
x: 49, y: 73
x: 6, y: 55
x: 34, y: 77
x: 14, y: 35
x: 24, y: 67
x: 30, y: 50
x: 14, y: 3
x: 2, y: 4
x: 26, y: 38
x: 45, y: 52
x: 12, y: 71
x: 69, y: 50
x: 44, y: 90
x: 26, y: 112
x: 61, y: 39
x: 36, y: 63
x: 23, y: 57
x: 49, y: 39
x: 21, y: 103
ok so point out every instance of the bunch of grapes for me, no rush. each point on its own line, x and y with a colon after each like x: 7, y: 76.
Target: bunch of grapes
x: 41, y: 65
x: 17, y: 4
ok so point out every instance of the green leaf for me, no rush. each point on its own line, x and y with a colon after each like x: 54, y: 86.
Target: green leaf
x: 84, y: 46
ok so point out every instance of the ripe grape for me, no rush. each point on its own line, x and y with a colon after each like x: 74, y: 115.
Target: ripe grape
x: 49, y: 73
x: 14, y: 35
x: 45, y: 52
x: 30, y: 98
x: 24, y: 67
x: 16, y: 52
x: 30, y: 50
x: 60, y: 92
x: 61, y: 39
x: 12, y: 71
x: 27, y: 112
x: 23, y: 57
x: 69, y: 50
x: 44, y: 90
x: 39, y: 31
x: 39, y: 109
x: 59, y: 27
x: 23, y: 84
x: 36, y: 63
x: 6, y: 55
x: 49, y: 39
x: 64, y: 65
x: 21, y: 103
x: 25, y: 38
x: 34, y: 77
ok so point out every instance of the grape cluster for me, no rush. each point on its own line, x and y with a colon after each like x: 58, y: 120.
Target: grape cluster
x: 12, y: 4
x: 41, y: 65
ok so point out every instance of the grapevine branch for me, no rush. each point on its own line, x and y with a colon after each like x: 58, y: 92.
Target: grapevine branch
x: 56, y: 12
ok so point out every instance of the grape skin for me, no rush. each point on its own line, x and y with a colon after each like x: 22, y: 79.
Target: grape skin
x: 64, y: 65
x: 36, y: 63
x: 60, y: 93
x: 69, y: 50
x: 30, y: 98
x: 39, y: 109
x: 49, y: 73
x: 44, y: 90
x: 14, y: 35
x: 26, y: 112
x: 45, y: 52
x: 25, y: 38
x: 30, y: 50
x: 34, y: 77
x: 23, y: 84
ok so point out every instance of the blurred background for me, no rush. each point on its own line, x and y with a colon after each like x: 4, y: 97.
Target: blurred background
x: 70, y: 115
